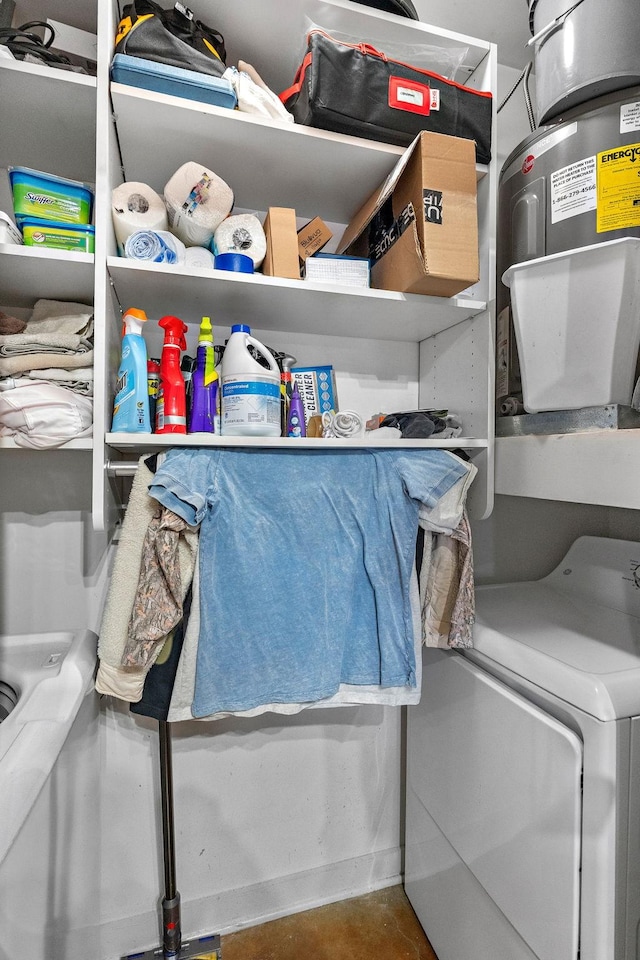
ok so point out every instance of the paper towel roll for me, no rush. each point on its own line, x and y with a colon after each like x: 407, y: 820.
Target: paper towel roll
x: 198, y: 257
x: 242, y: 233
x: 135, y: 206
x: 197, y: 200
x: 157, y: 246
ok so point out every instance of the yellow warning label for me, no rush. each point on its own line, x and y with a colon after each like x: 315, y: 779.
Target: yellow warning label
x: 618, y: 188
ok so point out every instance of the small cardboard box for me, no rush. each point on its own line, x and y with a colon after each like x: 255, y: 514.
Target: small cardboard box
x: 420, y: 228
x: 313, y: 237
x: 281, y: 258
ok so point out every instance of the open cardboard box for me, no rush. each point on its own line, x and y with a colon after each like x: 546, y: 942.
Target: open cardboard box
x: 420, y: 228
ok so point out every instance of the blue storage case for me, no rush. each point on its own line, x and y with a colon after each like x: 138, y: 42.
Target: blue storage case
x: 175, y: 81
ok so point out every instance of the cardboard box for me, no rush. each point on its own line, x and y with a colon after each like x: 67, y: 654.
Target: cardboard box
x: 281, y: 258
x: 420, y: 228
x: 313, y: 237
x: 317, y: 387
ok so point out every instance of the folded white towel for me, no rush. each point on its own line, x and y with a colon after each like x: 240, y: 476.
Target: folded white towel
x: 39, y: 414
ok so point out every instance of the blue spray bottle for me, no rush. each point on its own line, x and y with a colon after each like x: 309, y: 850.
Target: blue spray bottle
x: 204, y: 383
x: 131, y: 404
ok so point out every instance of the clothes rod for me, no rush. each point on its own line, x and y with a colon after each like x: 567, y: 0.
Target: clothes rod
x: 121, y: 468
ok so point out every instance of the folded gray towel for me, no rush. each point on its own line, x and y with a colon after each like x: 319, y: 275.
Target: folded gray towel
x: 58, y: 316
x: 9, y: 366
x: 16, y: 344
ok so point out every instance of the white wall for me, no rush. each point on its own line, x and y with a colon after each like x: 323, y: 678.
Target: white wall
x: 271, y: 817
x: 53, y: 566
x: 524, y: 539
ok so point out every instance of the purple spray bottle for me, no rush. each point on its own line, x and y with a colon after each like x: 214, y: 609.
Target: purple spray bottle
x: 296, y: 426
x: 204, y: 382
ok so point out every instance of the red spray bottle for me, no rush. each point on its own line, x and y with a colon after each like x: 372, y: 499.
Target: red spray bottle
x: 171, y: 405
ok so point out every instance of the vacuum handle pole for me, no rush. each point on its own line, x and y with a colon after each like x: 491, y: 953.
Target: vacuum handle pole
x: 172, y: 935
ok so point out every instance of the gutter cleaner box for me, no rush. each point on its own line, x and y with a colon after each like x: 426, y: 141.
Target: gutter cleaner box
x: 420, y: 228
x: 317, y: 387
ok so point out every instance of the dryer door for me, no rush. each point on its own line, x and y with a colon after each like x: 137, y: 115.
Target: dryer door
x: 502, y: 781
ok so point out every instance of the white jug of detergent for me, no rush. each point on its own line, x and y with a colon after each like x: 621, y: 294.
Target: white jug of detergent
x: 250, y: 392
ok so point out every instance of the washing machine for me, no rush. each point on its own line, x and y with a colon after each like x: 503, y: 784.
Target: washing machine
x: 523, y: 770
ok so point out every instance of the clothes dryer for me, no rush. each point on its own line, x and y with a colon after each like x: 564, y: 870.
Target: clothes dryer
x: 523, y: 779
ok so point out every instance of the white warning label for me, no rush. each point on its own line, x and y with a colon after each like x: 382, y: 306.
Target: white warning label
x: 630, y: 117
x: 573, y: 189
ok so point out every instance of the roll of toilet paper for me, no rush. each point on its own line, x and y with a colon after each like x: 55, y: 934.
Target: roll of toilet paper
x: 135, y: 206
x: 198, y: 257
x: 241, y: 233
x: 197, y: 201
x: 155, y: 246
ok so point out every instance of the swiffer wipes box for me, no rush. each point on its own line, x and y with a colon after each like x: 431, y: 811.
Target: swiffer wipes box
x: 47, y: 197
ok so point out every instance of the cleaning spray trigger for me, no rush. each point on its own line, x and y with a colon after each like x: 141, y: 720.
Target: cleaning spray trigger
x: 171, y: 405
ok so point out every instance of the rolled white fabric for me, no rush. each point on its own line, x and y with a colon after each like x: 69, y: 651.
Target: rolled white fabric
x: 136, y: 206
x: 198, y: 257
x: 346, y: 423
x: 197, y: 201
x: 157, y: 246
x: 242, y: 233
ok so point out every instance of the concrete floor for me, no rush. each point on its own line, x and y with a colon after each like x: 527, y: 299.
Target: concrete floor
x: 380, y: 924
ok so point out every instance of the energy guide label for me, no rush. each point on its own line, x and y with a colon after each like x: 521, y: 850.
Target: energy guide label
x: 618, y: 174
x: 573, y: 189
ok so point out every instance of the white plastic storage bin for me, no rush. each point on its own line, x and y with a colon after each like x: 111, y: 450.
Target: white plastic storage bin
x: 576, y: 317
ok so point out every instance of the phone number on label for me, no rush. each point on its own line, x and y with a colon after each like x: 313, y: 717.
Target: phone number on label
x: 575, y: 193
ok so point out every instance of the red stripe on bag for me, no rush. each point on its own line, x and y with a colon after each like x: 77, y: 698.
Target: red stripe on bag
x: 409, y: 95
x: 297, y: 81
x: 366, y: 48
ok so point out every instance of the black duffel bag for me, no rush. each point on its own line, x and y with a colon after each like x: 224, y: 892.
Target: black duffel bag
x: 170, y: 36
x: 355, y: 89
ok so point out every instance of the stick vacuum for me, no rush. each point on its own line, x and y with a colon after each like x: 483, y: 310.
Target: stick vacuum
x: 173, y: 947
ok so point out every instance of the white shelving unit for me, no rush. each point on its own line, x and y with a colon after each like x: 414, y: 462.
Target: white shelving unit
x: 599, y: 467
x: 391, y: 351
x: 27, y: 273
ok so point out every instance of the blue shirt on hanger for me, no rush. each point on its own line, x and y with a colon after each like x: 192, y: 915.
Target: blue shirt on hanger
x: 305, y: 563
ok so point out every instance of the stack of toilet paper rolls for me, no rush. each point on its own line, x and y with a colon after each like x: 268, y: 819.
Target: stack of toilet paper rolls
x: 195, y: 210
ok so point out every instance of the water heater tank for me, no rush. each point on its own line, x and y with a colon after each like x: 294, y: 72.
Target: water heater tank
x: 571, y: 183
x: 583, y: 50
